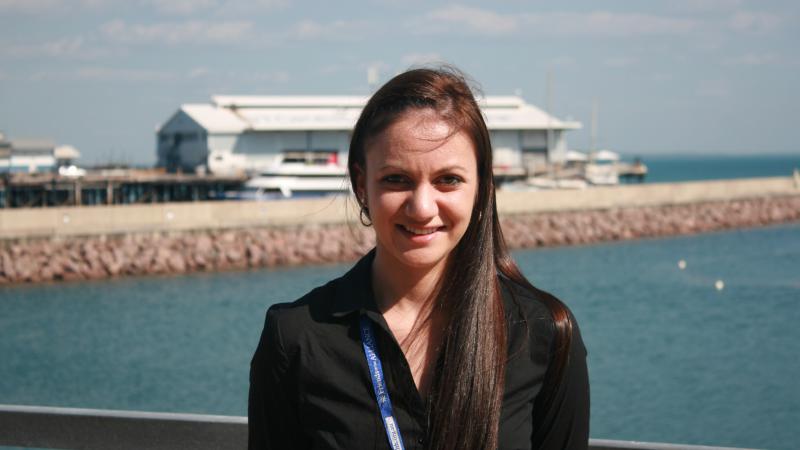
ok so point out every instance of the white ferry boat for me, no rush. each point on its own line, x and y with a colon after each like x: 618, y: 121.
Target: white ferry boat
x: 299, y: 174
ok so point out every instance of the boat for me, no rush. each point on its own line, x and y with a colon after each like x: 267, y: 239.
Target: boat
x: 601, y: 170
x: 297, y: 174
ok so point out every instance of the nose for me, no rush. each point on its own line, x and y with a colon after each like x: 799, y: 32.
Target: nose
x: 421, y: 205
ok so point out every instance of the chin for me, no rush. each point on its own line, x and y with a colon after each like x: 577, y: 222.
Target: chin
x: 422, y: 258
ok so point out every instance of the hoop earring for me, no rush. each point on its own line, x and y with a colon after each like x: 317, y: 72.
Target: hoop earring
x: 362, y: 214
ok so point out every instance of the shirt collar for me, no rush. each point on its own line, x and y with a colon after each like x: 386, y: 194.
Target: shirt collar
x: 354, y: 290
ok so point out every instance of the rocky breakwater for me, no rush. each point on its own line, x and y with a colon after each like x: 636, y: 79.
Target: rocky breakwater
x: 82, y: 258
x: 99, y: 257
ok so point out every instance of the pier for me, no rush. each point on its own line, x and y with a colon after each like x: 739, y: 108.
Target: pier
x: 633, y: 172
x: 112, y: 187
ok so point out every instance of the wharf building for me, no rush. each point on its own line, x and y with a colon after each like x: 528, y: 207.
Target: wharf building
x: 250, y: 134
x: 38, y: 173
x: 34, y: 155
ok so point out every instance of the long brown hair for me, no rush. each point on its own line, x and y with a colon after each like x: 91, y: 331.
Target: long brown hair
x: 467, y: 390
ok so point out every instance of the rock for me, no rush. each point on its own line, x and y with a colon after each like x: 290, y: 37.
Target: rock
x: 100, y: 257
x: 176, y: 263
x: 254, y: 255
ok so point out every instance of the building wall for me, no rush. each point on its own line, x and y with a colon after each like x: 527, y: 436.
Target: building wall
x: 332, y: 140
x: 558, y: 150
x: 222, y: 142
x: 185, y: 143
x: 261, y: 149
x: 258, y: 143
x: 182, y: 143
x: 534, y: 139
x: 31, y: 163
x: 505, y: 144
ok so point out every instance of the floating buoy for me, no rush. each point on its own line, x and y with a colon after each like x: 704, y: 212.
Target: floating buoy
x: 720, y: 285
x: 681, y: 264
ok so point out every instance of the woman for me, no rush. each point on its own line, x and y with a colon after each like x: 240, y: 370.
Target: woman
x: 434, y: 339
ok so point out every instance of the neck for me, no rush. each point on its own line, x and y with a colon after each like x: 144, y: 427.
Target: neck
x: 404, y: 290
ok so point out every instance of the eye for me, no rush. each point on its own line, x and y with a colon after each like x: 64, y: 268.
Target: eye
x: 394, y: 179
x: 451, y: 180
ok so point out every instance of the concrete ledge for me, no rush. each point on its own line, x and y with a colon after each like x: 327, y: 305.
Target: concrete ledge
x: 656, y: 194
x: 166, y: 217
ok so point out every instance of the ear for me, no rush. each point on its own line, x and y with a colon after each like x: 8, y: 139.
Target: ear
x: 360, y: 185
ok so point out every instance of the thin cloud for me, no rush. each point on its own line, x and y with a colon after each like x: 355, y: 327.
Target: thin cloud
x: 173, y: 33
x: 608, y: 24
x: 73, y: 47
x: 101, y: 73
x: 754, y: 22
x: 713, y: 88
x: 705, y: 6
x: 562, y: 61
x: 469, y: 20
x: 29, y: 6
x: 190, y: 7
x: 41, y: 7
x: 338, y: 30
x: 166, y: 7
x: 416, y: 59
x: 661, y: 77
x: 755, y: 59
x: 619, y: 62
x: 127, y: 75
x: 181, y: 7
x: 270, y: 76
x: 475, y: 20
x: 216, y: 76
x: 198, y: 72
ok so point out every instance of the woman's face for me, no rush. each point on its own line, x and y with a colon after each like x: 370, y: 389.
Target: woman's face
x: 420, y: 184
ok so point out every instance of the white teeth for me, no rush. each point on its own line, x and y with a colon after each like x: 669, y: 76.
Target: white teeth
x: 420, y: 230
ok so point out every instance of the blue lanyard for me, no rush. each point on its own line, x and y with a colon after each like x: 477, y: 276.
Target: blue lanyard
x: 379, y: 385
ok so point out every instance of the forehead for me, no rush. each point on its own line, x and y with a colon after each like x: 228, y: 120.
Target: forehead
x: 420, y: 136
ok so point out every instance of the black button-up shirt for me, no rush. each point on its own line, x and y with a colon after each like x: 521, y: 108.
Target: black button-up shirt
x: 310, y: 386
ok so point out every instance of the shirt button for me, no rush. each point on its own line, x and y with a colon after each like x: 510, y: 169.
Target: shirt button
x: 421, y: 441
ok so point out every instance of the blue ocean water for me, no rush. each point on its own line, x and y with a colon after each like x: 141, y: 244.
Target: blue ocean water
x: 670, y: 168
x: 671, y: 358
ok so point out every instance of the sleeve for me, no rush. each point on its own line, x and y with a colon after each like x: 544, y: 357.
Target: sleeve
x: 563, y: 422
x: 270, y: 413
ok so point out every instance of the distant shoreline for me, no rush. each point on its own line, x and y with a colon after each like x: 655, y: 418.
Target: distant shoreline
x: 120, y: 241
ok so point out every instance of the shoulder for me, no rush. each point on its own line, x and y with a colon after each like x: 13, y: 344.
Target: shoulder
x: 541, y: 316
x: 320, y: 314
x: 302, y: 310
x: 289, y: 323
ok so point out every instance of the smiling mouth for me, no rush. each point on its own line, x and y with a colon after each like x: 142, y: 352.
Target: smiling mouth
x: 420, y: 231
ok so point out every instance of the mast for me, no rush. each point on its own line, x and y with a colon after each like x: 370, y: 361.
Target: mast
x: 549, y: 94
x: 593, y: 144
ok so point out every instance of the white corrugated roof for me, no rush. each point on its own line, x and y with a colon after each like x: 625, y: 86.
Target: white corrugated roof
x: 214, y: 119
x: 264, y: 119
x: 233, y: 114
x: 66, y: 152
x: 523, y: 117
x: 33, y: 144
x: 289, y: 101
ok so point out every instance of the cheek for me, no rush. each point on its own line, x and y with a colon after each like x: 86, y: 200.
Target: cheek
x: 386, y: 203
x: 460, y: 206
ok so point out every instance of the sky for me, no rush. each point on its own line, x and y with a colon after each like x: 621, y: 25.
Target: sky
x: 698, y: 77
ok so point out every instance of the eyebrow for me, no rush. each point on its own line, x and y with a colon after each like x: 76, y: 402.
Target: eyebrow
x: 454, y: 167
